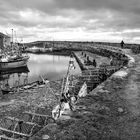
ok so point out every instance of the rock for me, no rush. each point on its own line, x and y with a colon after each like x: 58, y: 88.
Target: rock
x: 51, y: 127
x: 45, y: 137
x: 67, y: 112
x: 86, y: 112
x: 120, y: 74
x: 41, y: 86
x: 131, y: 61
x: 65, y: 117
x: 95, y: 91
x: 120, y: 110
x: 95, y: 106
x: 80, y: 107
x: 50, y: 120
x: 103, y: 91
x: 83, y: 90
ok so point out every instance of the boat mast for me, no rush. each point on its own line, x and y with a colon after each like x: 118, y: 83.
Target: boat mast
x: 12, y: 41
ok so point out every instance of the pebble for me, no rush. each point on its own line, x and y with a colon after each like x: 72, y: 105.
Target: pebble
x: 51, y: 127
x: 103, y: 91
x: 45, y: 137
x: 41, y: 86
x: 120, y: 109
x: 63, y: 117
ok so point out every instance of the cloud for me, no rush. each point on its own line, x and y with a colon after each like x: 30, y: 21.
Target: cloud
x: 71, y: 19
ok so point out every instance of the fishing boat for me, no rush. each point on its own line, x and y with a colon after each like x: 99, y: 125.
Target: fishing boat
x: 12, y: 56
x: 10, y: 62
x: 33, y: 49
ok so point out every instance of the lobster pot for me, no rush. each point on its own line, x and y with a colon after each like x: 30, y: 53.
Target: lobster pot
x: 7, y: 124
x: 15, y: 128
x: 34, y: 129
x: 27, y: 117
x: 33, y: 118
x: 44, y: 110
x: 24, y: 128
x: 40, y: 120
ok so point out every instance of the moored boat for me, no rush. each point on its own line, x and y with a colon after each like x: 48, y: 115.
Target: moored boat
x: 13, y: 62
x: 11, y: 56
x: 34, y: 49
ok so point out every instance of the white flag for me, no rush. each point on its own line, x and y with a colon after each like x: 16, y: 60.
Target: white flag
x: 83, y: 90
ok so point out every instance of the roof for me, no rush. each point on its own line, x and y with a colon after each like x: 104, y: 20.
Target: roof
x: 3, y: 35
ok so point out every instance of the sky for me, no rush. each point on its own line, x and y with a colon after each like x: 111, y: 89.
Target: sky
x: 71, y: 20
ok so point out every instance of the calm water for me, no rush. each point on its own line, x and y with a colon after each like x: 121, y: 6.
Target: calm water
x: 52, y: 67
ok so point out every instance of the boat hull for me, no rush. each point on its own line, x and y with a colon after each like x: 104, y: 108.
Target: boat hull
x: 14, y: 64
x: 4, y: 91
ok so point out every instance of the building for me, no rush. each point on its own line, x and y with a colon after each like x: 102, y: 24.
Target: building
x: 4, y: 40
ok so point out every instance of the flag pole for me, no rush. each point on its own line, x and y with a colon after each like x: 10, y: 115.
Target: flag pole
x: 67, y: 77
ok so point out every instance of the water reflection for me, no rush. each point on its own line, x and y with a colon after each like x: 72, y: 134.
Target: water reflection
x: 52, y: 67
x: 14, y: 77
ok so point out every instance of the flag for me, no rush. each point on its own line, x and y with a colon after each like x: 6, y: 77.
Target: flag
x: 83, y: 90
